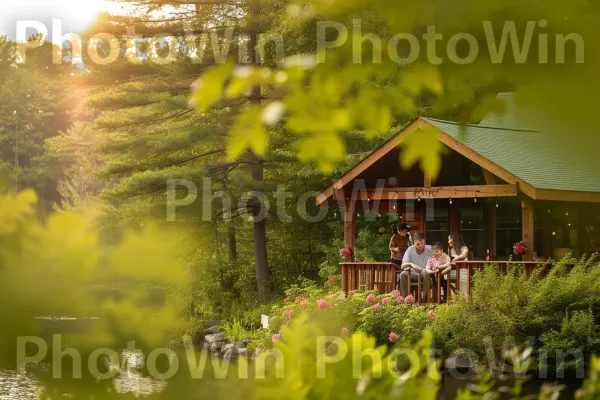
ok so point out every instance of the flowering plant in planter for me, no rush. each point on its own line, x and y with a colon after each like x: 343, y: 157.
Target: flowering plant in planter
x: 520, y: 248
x: 347, y: 251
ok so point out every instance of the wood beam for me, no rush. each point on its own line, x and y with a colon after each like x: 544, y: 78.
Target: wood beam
x: 369, y: 160
x: 437, y: 192
x: 547, y: 231
x: 349, y: 226
x: 490, y: 178
x: 566, y: 195
x: 528, y: 227
x: 427, y: 181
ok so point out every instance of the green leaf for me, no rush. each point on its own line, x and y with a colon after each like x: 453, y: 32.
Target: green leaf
x: 420, y: 77
x: 209, y: 88
x: 423, y: 145
x: 324, y: 149
x: 248, y: 133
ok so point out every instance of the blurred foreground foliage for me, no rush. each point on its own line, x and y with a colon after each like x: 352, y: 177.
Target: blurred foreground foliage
x: 61, y: 269
x: 347, y: 70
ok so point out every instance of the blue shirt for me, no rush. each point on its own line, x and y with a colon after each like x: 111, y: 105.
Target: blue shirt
x: 411, y: 256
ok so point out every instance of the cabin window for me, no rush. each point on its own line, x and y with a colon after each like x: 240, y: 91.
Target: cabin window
x: 439, y: 228
x: 508, y: 229
x: 472, y: 228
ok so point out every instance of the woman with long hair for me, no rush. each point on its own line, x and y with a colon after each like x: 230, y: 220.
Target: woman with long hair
x: 458, y: 251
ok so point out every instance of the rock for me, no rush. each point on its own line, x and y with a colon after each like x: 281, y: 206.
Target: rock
x: 230, y: 354
x: 460, y: 364
x: 217, y: 337
x: 211, y: 323
x: 216, y: 346
x: 212, y: 330
x: 242, y: 351
x: 227, y: 348
x: 240, y: 345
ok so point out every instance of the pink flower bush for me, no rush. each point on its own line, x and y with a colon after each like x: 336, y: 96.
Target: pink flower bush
x: 432, y: 314
x: 395, y: 293
x: 304, y: 304
x: 399, y: 299
x: 345, y: 332
x: 289, y: 314
x: 371, y: 298
x: 332, y: 277
x: 323, y: 304
x: 377, y: 307
x: 394, y: 337
x: 409, y: 299
x: 386, y: 301
x: 276, y: 337
x: 298, y: 299
x: 286, y: 300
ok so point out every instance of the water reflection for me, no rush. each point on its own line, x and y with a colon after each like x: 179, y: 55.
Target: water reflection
x: 25, y: 386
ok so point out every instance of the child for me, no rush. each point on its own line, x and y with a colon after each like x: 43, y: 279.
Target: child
x: 438, y: 261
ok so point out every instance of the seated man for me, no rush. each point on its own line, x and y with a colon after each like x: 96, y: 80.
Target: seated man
x: 415, y: 259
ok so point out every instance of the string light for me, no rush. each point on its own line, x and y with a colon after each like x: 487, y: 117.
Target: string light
x: 496, y: 204
x: 475, y: 199
x: 567, y: 213
x: 450, y: 201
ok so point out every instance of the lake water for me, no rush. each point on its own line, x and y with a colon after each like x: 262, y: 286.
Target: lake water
x: 15, y: 386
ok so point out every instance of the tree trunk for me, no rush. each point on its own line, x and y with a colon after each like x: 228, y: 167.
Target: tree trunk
x: 260, y: 230
x: 232, y: 244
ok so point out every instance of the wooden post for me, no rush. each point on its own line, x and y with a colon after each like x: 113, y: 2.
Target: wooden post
x: 528, y: 227
x: 349, y: 226
x: 547, y: 231
x: 492, y: 231
x: 345, y: 279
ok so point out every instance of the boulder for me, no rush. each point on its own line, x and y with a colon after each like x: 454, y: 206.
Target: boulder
x: 211, y: 323
x: 227, y: 347
x: 216, y: 346
x: 216, y: 337
x: 212, y: 330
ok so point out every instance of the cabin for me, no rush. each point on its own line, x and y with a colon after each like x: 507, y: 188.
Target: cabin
x: 501, y: 181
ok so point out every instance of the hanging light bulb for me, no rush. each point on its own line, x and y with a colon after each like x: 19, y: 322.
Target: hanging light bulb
x: 450, y: 201
x: 475, y: 199
x: 567, y: 213
x: 496, y: 204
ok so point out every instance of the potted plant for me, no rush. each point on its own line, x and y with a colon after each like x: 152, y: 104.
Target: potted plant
x: 519, y: 250
x: 347, y: 251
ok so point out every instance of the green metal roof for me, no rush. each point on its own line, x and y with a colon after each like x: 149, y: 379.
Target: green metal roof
x: 554, y: 161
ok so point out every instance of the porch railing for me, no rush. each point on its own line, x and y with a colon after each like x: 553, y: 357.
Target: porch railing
x: 384, y: 277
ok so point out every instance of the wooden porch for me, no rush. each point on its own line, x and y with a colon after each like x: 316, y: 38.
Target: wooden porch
x: 489, y: 206
x: 383, y: 277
